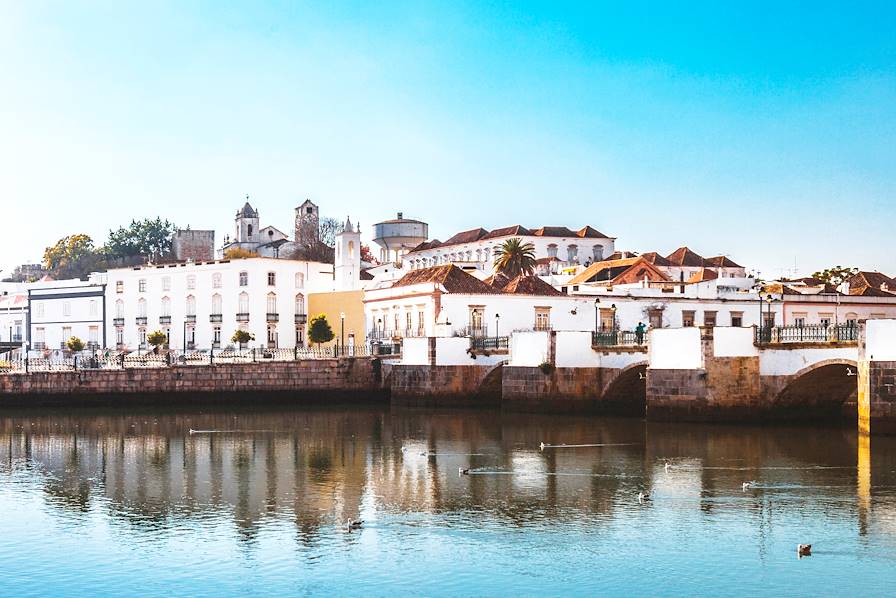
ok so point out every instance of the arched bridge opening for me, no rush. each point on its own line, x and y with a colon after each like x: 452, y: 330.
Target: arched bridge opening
x: 626, y: 393
x: 823, y: 391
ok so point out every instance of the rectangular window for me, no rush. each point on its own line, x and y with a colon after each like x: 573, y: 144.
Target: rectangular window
x: 656, y: 318
x: 244, y: 279
x: 166, y: 283
x: 119, y: 287
x: 66, y: 308
x: 607, y: 318
x: 825, y: 319
x: 39, y: 310
x: 737, y: 319
x: 93, y: 335
x: 141, y: 336
x: 141, y: 285
x: 191, y: 281
x: 408, y: 321
x: 272, y: 279
x: 66, y: 333
x: 300, y: 280
x: 542, y: 318
x: 421, y: 322
x: 93, y: 307
x: 799, y: 320
x: 216, y: 280
x: 709, y: 318
x: 687, y: 319
x: 119, y: 337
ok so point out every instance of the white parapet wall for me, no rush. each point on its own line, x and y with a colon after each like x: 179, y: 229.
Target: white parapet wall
x: 530, y: 349
x: 415, y: 351
x: 880, y: 340
x: 734, y: 342
x: 675, y: 349
x: 786, y: 362
x: 574, y: 350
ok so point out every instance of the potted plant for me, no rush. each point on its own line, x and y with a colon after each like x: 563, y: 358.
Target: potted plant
x: 242, y: 337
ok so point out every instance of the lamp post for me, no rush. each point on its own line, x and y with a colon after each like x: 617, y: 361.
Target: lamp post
x: 342, y: 331
x: 497, y: 319
x: 185, y: 335
x: 596, y: 313
x: 615, y: 326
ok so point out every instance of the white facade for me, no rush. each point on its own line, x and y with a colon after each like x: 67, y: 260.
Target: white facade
x: 200, y: 305
x: 568, y: 249
x: 60, y: 310
x: 13, y: 317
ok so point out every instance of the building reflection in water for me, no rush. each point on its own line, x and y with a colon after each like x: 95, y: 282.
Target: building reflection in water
x: 319, y: 468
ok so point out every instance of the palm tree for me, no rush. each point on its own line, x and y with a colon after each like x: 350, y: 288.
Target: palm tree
x: 514, y: 257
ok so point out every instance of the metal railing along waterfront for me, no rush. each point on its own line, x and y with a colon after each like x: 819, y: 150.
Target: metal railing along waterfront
x: 812, y: 333
x: 489, y: 343
x: 59, y: 361
x: 618, y: 338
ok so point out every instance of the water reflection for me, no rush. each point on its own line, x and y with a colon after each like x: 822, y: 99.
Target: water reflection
x: 315, y: 469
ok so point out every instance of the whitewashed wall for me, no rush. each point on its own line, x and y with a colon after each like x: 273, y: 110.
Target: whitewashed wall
x: 675, y: 349
x: 574, y: 350
x: 734, y: 342
x: 415, y: 351
x: 529, y: 349
x: 880, y: 340
x: 785, y: 362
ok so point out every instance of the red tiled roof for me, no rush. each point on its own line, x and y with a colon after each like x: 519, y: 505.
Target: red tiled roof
x: 449, y: 276
x: 467, y: 236
x: 590, y: 233
x: 685, y: 257
x: 873, y: 280
x: 530, y: 285
x: 703, y: 275
x: 720, y: 261
x: 656, y: 259
x: 508, y: 231
x: 553, y: 231
x: 498, y: 280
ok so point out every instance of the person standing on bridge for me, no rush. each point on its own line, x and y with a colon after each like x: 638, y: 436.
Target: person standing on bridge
x: 639, y: 333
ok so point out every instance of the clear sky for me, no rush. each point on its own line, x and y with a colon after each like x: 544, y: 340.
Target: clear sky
x: 765, y: 131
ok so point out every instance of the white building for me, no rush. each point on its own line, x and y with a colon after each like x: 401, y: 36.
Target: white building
x: 475, y: 249
x: 13, y: 317
x: 200, y: 305
x: 61, y: 309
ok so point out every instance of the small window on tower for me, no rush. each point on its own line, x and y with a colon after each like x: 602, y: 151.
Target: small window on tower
x: 309, y: 211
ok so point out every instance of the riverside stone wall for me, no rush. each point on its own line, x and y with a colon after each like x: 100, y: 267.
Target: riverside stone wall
x: 348, y: 378
x: 445, y: 385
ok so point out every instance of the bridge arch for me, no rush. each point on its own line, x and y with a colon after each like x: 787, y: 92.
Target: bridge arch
x: 490, y: 386
x: 823, y: 390
x: 626, y: 391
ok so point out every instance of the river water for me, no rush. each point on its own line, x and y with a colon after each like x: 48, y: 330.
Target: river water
x: 133, y: 504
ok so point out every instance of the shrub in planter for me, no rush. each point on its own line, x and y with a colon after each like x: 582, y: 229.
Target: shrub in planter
x: 546, y: 368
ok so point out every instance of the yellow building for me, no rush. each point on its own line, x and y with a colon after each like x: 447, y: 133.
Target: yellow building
x: 334, y: 305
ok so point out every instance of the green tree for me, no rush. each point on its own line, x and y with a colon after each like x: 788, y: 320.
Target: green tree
x: 157, y: 338
x: 147, y: 238
x: 319, y: 330
x: 513, y: 257
x: 835, y: 275
x: 74, y: 344
x: 73, y: 257
x: 241, y: 337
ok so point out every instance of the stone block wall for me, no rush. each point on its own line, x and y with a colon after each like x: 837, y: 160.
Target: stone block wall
x: 877, y: 397
x: 347, y: 378
x: 196, y: 245
x: 562, y: 390
x: 444, y: 385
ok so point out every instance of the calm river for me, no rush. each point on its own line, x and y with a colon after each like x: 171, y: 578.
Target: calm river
x: 121, y: 503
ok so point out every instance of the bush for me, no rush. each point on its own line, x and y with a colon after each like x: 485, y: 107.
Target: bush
x: 74, y: 344
x: 157, y: 338
x: 319, y: 331
x: 241, y: 337
x: 546, y: 368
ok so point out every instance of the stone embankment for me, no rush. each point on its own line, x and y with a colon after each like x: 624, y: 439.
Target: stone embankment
x: 344, y: 379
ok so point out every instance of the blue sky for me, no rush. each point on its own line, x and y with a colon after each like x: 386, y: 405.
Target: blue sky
x: 765, y: 131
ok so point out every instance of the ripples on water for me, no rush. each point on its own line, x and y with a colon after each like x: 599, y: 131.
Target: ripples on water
x: 134, y: 504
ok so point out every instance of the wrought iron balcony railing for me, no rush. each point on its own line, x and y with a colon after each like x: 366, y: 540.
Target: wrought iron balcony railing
x: 618, y: 338
x: 141, y: 320
x: 242, y: 317
x: 474, y: 331
x: 812, y: 333
x: 216, y: 318
x: 164, y: 319
x: 489, y: 343
x: 301, y: 319
x: 190, y: 318
x: 118, y: 322
x: 273, y: 317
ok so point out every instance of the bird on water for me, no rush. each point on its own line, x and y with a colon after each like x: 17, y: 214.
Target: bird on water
x: 804, y: 550
x: 353, y: 524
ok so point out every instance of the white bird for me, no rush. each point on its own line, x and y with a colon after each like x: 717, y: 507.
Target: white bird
x: 463, y: 471
x: 667, y: 466
x: 642, y: 496
x: 542, y: 446
x: 804, y: 550
x: 747, y: 485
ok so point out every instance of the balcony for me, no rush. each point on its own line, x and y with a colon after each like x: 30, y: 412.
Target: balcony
x: 141, y: 320
x: 118, y: 322
x: 813, y: 333
x: 412, y: 332
x: 272, y: 317
x: 190, y: 318
x: 474, y: 331
x: 16, y: 338
x: 542, y: 327
x: 191, y: 346
x: 489, y: 343
x: 381, y: 334
x: 618, y: 338
x: 40, y: 346
x: 216, y: 318
x: 242, y: 317
x: 164, y: 319
x: 302, y: 319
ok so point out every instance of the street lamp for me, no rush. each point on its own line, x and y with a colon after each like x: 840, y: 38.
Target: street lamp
x: 342, y: 330
x: 497, y: 319
x: 596, y: 313
x: 613, y: 309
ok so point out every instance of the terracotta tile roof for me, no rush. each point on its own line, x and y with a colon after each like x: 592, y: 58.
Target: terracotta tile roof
x: 366, y: 275
x: 553, y: 231
x: 874, y: 281
x: 426, y: 245
x: 870, y: 292
x: 452, y: 278
x: 656, y: 259
x: 547, y: 260
x: 530, y: 285
x: 703, y: 275
x: 720, y: 261
x: 467, y: 236
x: 508, y: 231
x: 590, y: 233
x: 685, y: 257
x: 604, y: 271
x: 497, y: 280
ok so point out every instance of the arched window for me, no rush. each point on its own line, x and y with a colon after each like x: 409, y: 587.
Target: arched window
x: 249, y: 230
x: 572, y: 253
x: 272, y: 279
x: 598, y: 253
x: 244, y: 303
x: 272, y: 303
x: 141, y: 308
x: 351, y: 249
x: 300, y: 304
x: 119, y: 309
x: 191, y: 305
x: 300, y: 280
x: 216, y: 304
x: 552, y: 250
x: 166, y: 306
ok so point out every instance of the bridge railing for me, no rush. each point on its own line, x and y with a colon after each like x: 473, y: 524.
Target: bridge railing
x: 618, y: 338
x: 116, y: 360
x: 812, y: 333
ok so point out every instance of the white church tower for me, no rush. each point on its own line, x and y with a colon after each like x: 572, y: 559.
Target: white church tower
x: 247, y: 224
x: 347, y: 267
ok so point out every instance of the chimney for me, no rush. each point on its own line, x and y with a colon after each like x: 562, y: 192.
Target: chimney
x: 401, y: 215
